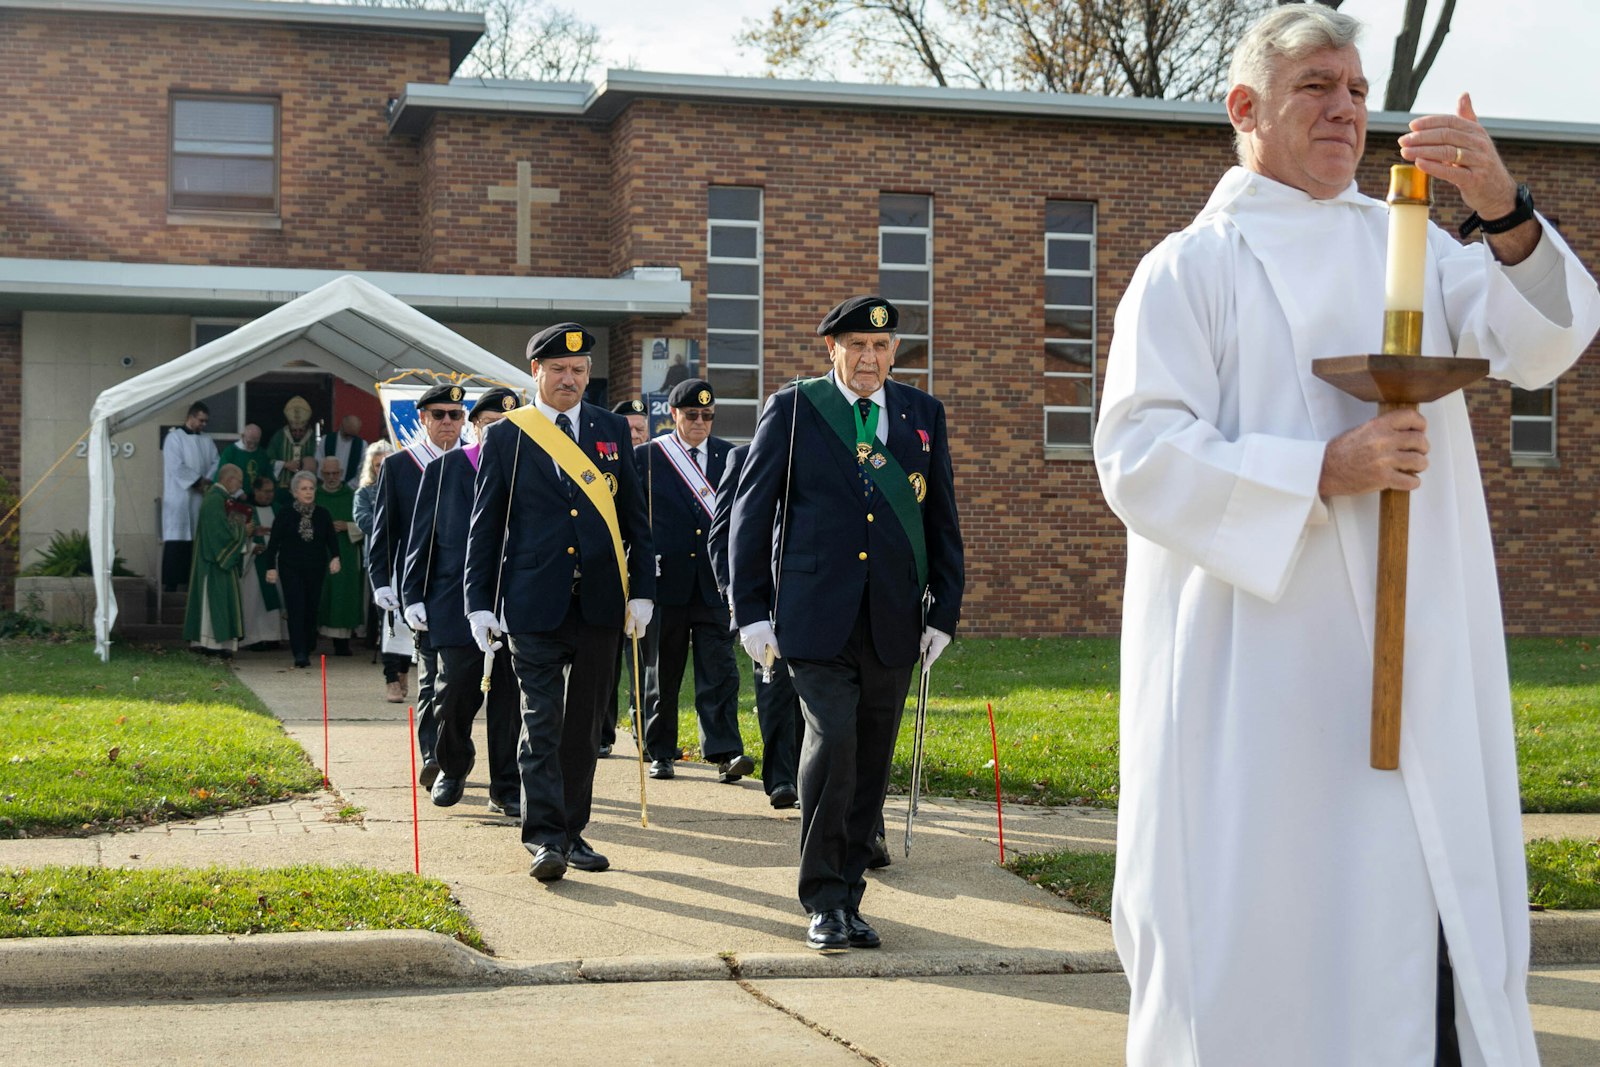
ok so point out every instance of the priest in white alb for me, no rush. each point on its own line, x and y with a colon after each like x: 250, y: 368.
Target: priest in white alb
x: 188, y: 459
x: 1277, y: 900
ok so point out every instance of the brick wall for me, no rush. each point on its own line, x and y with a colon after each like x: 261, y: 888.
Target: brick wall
x: 86, y: 100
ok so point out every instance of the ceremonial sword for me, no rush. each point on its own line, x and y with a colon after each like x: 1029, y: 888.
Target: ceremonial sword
x: 919, y: 726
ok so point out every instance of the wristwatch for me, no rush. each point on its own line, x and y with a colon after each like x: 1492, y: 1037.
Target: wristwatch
x: 1519, y: 214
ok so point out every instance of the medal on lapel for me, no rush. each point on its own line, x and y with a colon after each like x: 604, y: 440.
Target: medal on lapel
x: 877, y: 461
x: 862, y: 451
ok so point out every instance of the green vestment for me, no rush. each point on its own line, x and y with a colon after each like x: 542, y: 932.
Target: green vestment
x: 252, y: 464
x: 219, y: 555
x: 341, y: 606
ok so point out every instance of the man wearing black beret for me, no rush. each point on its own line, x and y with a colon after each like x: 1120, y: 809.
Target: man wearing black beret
x: 858, y: 467
x: 431, y: 591
x: 559, y: 559
x: 440, y: 411
x: 681, y: 470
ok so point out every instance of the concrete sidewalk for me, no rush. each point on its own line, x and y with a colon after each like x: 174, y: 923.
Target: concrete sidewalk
x: 706, y: 892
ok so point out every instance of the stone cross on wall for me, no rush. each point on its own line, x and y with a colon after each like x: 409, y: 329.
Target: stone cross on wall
x: 524, y: 195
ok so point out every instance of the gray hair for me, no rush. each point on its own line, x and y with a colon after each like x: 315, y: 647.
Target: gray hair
x: 371, y: 459
x: 304, y: 476
x: 1293, y: 31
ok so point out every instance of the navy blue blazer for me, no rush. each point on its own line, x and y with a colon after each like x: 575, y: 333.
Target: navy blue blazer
x: 436, y: 555
x: 679, y: 526
x: 544, y: 535
x: 717, y: 536
x: 399, y: 479
x: 840, y: 544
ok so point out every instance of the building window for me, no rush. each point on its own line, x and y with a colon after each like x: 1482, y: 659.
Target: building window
x: 224, y: 407
x: 1533, y: 423
x: 224, y: 155
x: 1069, y: 323
x: 905, y: 279
x: 733, y: 307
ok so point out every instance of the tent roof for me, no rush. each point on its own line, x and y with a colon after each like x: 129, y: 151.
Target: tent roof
x: 348, y: 326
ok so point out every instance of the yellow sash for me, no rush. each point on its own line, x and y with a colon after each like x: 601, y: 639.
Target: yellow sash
x: 576, y: 465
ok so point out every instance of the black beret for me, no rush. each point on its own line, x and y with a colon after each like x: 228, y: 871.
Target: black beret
x: 630, y: 407
x: 496, y: 399
x: 860, y: 314
x: 692, y: 393
x: 562, y: 339
x: 443, y: 393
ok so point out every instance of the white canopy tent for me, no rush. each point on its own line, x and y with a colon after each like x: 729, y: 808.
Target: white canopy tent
x: 349, y: 327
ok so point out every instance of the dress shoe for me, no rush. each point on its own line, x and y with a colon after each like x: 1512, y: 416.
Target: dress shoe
x: 430, y: 773
x: 829, y: 931
x: 549, y: 864
x: 447, y: 791
x: 880, y: 853
x: 395, y: 692
x: 784, y: 796
x: 662, y: 769
x: 585, y: 858
x: 603, y: 751
x: 730, y: 771
x: 302, y: 663
x: 511, y: 809
x: 862, y: 935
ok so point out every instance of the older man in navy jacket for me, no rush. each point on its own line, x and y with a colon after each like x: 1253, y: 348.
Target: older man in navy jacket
x: 431, y: 591
x: 559, y: 557
x: 861, y: 469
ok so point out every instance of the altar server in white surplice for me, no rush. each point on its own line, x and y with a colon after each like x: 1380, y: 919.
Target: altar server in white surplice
x: 1277, y: 900
x: 188, y: 459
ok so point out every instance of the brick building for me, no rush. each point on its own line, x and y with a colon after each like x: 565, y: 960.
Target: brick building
x: 170, y: 168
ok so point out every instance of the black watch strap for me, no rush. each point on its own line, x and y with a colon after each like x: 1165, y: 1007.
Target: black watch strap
x: 1519, y: 214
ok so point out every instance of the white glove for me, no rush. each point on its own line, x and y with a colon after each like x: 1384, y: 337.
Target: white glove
x: 485, y: 628
x: 417, y: 617
x: 934, y: 641
x: 385, y: 599
x: 639, y: 615
x: 757, y: 638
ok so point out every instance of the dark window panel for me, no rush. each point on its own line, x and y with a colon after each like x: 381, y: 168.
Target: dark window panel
x: 729, y: 314
x: 1531, y: 401
x: 734, y: 385
x: 909, y: 248
x: 897, y: 209
x: 735, y: 421
x: 903, y: 284
x: 724, y: 202
x: 1066, y: 428
x: 1075, y: 291
x: 1069, y: 324
x: 1068, y: 216
x: 722, y: 348
x: 1068, y: 255
x: 733, y: 242
x: 733, y: 278
x: 1533, y: 438
x: 911, y: 356
x: 1071, y: 357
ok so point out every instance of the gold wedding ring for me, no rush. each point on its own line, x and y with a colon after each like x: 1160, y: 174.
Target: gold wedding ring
x: 1458, y: 155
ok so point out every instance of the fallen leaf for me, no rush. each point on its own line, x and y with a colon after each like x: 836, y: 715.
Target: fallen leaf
x: 111, y: 757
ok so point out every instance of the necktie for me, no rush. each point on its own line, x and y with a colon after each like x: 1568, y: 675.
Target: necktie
x: 564, y: 424
x: 695, y: 452
x: 866, y: 436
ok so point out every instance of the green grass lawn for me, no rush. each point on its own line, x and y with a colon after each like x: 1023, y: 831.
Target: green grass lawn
x: 1555, y: 698
x: 67, y: 901
x: 86, y: 745
x: 1564, y: 873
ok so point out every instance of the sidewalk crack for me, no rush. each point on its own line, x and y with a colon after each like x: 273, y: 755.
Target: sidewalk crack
x: 809, y: 1024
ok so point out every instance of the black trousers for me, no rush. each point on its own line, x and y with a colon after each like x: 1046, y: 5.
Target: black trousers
x: 395, y: 668
x: 564, y: 675
x: 1447, y: 1044
x: 177, y: 558
x: 852, y: 705
x: 608, y: 712
x: 783, y: 728
x: 458, y: 694
x: 301, y: 590
x: 427, y: 699
x: 716, y: 680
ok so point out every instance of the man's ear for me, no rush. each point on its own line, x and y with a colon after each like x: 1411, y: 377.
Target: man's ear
x: 1241, y: 104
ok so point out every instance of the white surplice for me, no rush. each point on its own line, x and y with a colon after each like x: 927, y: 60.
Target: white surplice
x: 1277, y: 901
x: 185, y: 458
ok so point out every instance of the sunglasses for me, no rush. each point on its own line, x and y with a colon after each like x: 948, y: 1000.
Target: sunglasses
x: 698, y: 415
x: 446, y: 414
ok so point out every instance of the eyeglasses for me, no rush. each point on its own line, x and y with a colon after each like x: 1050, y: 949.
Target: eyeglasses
x: 447, y: 414
x: 697, y: 415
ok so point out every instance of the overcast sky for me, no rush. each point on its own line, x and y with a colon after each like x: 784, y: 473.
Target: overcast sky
x: 1530, y: 59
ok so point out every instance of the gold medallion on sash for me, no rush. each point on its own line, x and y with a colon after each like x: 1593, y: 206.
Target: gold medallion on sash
x: 919, y: 485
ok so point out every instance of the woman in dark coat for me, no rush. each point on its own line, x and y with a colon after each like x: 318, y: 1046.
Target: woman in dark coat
x: 301, y: 550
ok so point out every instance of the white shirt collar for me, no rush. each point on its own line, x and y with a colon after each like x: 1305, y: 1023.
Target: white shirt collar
x: 687, y: 447
x: 551, y: 413
x: 878, y: 397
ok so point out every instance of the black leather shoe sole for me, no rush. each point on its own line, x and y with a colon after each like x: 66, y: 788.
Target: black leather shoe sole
x: 548, y: 865
x: 509, y: 808
x: 604, y: 751
x: 785, y: 797
x: 446, y: 792
x: 429, y: 775
x: 880, y: 854
x: 735, y: 769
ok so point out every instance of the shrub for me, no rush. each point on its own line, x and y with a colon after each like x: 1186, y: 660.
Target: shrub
x: 69, y: 555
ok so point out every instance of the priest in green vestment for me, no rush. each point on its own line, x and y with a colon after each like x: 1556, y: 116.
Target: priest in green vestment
x: 342, y: 607
x: 214, y: 620
x: 296, y: 442
x: 247, y: 454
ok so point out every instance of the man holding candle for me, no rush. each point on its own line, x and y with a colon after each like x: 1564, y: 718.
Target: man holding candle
x: 1277, y: 899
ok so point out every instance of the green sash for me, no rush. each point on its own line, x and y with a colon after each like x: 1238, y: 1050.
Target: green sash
x: 891, y: 479
x: 581, y: 469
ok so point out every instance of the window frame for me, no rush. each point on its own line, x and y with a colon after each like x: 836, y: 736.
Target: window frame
x: 1525, y: 457
x: 174, y: 206
x: 759, y: 226
x: 919, y: 377
x: 1072, y: 449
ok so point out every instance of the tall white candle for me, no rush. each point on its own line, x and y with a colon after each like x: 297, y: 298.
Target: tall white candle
x: 1408, y: 245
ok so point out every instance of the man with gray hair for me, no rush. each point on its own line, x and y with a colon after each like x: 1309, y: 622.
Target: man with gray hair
x: 1277, y: 900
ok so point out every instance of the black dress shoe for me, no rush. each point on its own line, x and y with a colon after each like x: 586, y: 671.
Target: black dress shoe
x: 603, y: 751
x: 341, y: 646
x: 585, y: 858
x: 549, y: 864
x: 662, y: 769
x: 446, y: 791
x: 862, y: 935
x: 429, y: 774
x: 511, y: 809
x: 302, y: 663
x: 730, y: 771
x: 880, y: 853
x: 784, y: 796
x: 829, y: 931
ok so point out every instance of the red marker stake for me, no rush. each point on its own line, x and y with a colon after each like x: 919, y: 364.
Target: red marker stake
x: 324, y: 722
x: 999, y: 814
x: 416, y: 831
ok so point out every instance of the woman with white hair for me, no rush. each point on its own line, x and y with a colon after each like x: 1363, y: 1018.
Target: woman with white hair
x: 300, y: 552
